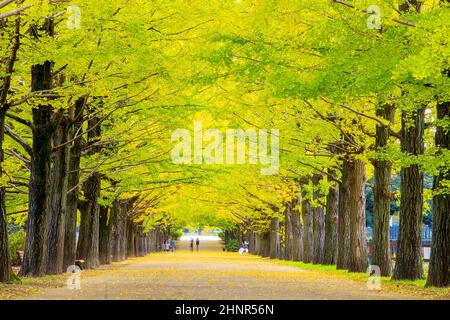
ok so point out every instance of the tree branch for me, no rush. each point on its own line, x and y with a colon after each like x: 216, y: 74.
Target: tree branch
x: 20, y: 120
x: 14, y: 12
x: 16, y: 137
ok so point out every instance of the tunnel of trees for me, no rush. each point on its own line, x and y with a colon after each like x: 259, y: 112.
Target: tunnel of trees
x: 91, y: 93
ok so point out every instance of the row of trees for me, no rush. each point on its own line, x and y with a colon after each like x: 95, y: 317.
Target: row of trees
x: 351, y: 101
x: 78, y: 147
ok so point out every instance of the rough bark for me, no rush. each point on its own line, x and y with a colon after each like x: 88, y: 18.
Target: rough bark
x: 307, y: 216
x: 131, y: 241
x: 143, y: 248
x: 155, y: 241
x: 288, y: 233
x: 152, y: 241
x: 258, y: 248
x: 274, y: 238
x: 147, y: 243
x: 358, y: 250
x: 342, y: 261
x: 123, y: 235
x: 39, y: 190
x: 251, y: 240
x: 54, y: 242
x: 381, y: 252
x: 91, y: 189
x: 318, y: 224
x: 331, y: 225
x: 159, y: 240
x: 265, y: 244
x: 70, y: 244
x: 115, y: 230
x: 439, y: 269
x: 119, y: 230
x: 104, y: 246
x: 408, y: 264
x: 5, y: 263
x: 83, y: 235
x: 297, y: 230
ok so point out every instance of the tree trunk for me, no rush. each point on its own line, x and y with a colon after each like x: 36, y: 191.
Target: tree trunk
x: 308, y: 241
x: 5, y: 263
x: 70, y: 243
x: 142, y: 240
x: 274, y: 238
x: 408, y: 264
x: 104, y: 246
x: 151, y: 241
x: 115, y: 230
x: 39, y: 189
x: 147, y: 243
x: 381, y: 252
x: 318, y: 224
x: 331, y: 225
x: 288, y: 233
x: 265, y: 244
x: 258, y: 247
x: 155, y: 241
x: 91, y: 189
x: 344, y: 219
x: 119, y: 230
x: 439, y: 269
x: 159, y: 240
x: 144, y: 244
x: 83, y: 235
x: 297, y: 230
x: 123, y: 235
x: 54, y: 242
x: 131, y: 247
x: 358, y: 250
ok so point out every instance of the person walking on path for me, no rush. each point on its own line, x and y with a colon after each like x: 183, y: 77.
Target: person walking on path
x: 172, y: 245
x: 197, y: 243
x: 166, y: 244
x: 192, y: 244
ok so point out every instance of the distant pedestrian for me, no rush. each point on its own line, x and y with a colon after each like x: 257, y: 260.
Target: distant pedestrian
x: 167, y: 245
x: 197, y: 243
x: 244, y: 247
x: 192, y: 244
x: 172, y: 245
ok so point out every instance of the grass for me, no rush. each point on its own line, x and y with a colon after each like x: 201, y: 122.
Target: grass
x: 26, y: 286
x: 416, y: 287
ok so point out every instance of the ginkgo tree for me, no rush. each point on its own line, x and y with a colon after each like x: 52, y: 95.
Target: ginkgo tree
x: 92, y: 93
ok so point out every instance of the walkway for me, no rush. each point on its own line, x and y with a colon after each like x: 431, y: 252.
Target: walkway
x: 210, y: 274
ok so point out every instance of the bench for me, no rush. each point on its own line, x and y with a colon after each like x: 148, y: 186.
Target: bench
x: 20, y: 257
x: 80, y: 264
